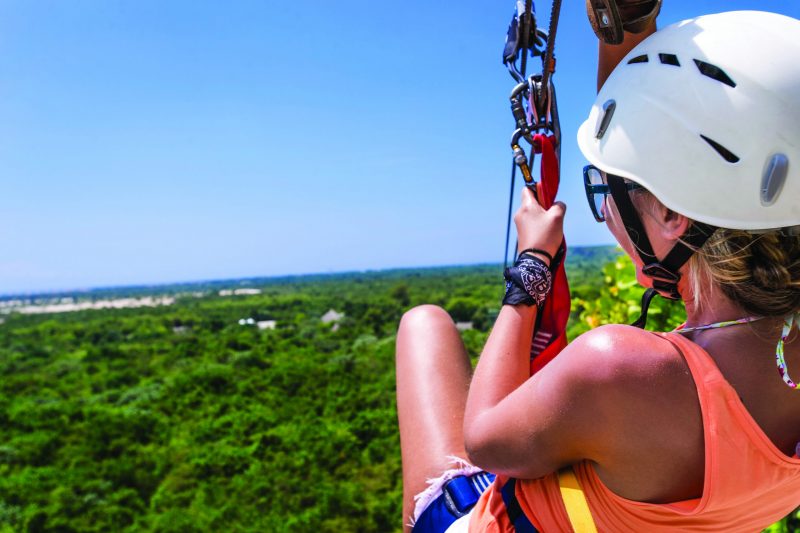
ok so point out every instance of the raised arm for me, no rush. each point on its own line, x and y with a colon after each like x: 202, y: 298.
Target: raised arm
x: 637, y: 17
x: 609, y: 55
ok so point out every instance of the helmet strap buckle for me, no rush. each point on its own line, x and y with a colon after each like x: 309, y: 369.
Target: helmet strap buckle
x: 664, y: 280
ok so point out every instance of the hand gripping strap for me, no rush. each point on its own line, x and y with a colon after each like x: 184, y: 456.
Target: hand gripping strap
x: 575, y: 502
x: 550, y: 335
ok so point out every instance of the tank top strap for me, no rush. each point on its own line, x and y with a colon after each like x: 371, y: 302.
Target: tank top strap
x: 703, y: 368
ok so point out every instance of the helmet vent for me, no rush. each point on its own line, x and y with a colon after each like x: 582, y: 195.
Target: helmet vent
x: 773, y: 179
x: 714, y: 72
x: 608, y: 113
x: 726, y: 154
x: 639, y: 59
x: 669, y: 59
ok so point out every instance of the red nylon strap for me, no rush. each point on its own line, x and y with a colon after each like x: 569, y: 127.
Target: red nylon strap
x: 550, y: 337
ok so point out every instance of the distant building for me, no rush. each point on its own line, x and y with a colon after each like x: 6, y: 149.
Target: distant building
x: 245, y: 292
x: 267, y: 324
x: 331, y: 316
x: 239, y: 292
x: 463, y: 326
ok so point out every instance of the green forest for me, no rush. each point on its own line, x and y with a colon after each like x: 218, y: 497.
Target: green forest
x: 254, y: 410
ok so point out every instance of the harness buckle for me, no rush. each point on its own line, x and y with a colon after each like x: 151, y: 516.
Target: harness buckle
x: 462, y: 492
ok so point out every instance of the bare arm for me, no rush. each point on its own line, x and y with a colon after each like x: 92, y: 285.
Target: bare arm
x: 541, y: 423
x: 504, y: 363
x: 609, y: 55
x: 501, y: 428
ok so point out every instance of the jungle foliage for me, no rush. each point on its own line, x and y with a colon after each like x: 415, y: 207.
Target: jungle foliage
x: 178, y: 418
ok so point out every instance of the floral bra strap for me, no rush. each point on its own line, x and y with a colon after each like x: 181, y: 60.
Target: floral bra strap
x: 717, y: 325
x: 788, y: 322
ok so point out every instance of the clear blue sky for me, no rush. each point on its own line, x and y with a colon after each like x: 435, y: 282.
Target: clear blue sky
x: 150, y: 141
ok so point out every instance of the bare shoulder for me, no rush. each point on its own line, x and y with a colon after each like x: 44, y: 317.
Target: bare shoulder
x: 615, y: 355
x: 587, y: 403
x: 645, y: 397
x: 623, y: 375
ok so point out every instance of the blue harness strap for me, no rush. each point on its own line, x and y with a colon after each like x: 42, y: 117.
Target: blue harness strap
x: 459, y: 496
x: 514, y: 511
x: 464, y: 492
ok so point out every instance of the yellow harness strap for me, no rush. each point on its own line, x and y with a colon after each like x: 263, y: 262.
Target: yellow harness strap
x: 575, y: 501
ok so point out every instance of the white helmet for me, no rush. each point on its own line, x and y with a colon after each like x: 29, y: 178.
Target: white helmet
x: 705, y: 114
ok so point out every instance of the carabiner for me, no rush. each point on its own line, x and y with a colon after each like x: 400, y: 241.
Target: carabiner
x: 522, y: 160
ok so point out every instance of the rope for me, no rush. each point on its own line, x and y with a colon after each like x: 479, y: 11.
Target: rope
x: 549, y: 66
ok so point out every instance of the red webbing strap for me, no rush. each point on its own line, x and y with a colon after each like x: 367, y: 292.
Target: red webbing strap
x: 550, y: 336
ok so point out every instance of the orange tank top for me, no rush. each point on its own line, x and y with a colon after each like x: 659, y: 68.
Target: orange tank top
x: 749, y: 483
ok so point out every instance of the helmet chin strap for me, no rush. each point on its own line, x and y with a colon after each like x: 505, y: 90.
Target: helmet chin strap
x: 664, y: 273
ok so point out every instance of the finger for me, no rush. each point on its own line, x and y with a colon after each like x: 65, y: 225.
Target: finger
x: 529, y: 200
x: 558, y: 209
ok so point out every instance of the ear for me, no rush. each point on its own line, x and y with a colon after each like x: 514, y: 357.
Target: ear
x: 673, y: 225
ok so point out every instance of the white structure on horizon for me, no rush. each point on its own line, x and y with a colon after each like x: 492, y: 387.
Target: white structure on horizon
x: 117, y: 303
x: 267, y: 324
x: 331, y: 316
x: 239, y: 292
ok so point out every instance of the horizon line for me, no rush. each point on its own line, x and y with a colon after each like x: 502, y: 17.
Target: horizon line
x: 154, y: 285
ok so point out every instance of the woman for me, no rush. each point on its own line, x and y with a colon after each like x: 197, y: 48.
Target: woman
x: 695, y: 148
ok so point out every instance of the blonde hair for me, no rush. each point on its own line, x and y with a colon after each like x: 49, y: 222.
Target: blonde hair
x: 758, y: 271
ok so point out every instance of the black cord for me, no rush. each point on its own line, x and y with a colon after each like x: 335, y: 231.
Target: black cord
x: 647, y: 297
x: 510, y: 206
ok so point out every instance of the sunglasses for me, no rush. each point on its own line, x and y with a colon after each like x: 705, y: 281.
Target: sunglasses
x: 596, y: 184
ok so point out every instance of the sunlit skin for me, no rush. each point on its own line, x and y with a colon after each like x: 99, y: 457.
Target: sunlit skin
x: 617, y: 396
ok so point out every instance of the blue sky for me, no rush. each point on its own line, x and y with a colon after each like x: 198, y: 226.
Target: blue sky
x: 151, y: 141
